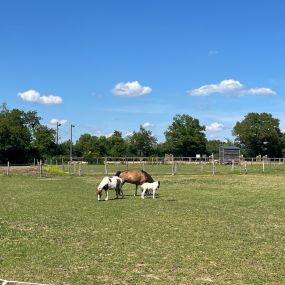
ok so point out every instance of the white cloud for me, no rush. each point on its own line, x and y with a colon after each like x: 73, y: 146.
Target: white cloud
x: 212, y: 52
x: 54, y: 121
x: 215, y: 127
x: 147, y: 125
x: 261, y: 91
x: 230, y: 87
x: 130, y: 89
x: 128, y: 134
x: 35, y: 97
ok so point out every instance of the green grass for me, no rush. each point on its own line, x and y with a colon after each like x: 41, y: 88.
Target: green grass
x: 203, y: 229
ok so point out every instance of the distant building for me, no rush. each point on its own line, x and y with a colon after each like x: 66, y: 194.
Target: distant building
x: 229, y: 153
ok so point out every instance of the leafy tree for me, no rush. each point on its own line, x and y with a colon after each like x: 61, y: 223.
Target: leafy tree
x: 44, y: 141
x: 185, y: 136
x: 15, y: 136
x: 259, y: 134
x: 213, y: 146
x: 117, y: 147
x: 142, y: 143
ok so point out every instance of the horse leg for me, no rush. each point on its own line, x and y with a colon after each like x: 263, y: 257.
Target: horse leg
x: 107, y: 195
x: 136, y: 190
x: 143, y: 193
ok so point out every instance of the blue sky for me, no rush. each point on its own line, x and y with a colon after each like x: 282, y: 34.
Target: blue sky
x: 117, y: 64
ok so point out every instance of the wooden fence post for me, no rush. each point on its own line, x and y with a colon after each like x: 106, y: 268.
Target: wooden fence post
x: 174, y: 167
x: 233, y: 165
x: 41, y: 168
x: 105, y: 162
x: 245, y: 167
x: 80, y: 168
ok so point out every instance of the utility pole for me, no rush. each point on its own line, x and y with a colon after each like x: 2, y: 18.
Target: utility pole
x: 57, y: 125
x: 71, y: 126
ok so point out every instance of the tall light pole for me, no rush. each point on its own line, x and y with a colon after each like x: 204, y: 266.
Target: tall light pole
x: 71, y: 126
x: 57, y: 125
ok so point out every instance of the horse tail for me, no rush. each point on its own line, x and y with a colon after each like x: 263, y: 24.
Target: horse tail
x: 148, y: 178
x: 118, y: 173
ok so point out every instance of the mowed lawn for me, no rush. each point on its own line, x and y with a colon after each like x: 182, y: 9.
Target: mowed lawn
x: 203, y: 229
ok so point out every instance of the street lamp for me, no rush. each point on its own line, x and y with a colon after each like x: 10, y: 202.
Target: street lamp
x: 57, y: 125
x: 71, y: 126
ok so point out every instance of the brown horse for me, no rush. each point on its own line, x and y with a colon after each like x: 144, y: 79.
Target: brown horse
x: 137, y: 177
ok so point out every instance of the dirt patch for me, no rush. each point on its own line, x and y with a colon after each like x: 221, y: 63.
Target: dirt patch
x: 26, y: 169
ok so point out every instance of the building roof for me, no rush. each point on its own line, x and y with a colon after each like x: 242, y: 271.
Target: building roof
x: 230, y: 147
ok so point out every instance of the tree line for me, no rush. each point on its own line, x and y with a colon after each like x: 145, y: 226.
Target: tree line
x: 23, y: 138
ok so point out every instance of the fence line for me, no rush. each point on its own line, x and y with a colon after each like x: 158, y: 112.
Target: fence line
x: 6, y: 282
x: 153, y: 165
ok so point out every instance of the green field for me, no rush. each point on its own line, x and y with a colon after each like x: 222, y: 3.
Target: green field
x: 203, y: 229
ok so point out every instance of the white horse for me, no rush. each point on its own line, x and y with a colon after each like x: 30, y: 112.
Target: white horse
x: 150, y: 186
x: 110, y: 183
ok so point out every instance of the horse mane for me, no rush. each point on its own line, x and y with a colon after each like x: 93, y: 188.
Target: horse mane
x: 147, y: 176
x: 118, y: 173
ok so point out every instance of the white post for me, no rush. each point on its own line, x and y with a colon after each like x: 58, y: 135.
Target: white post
x: 8, y: 168
x: 245, y: 167
x: 263, y: 165
x: 213, y: 162
x: 105, y: 162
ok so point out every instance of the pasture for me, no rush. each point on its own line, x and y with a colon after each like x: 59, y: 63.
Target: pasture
x: 203, y: 229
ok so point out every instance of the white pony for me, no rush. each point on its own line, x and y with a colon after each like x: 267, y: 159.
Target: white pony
x: 107, y: 183
x: 150, y: 186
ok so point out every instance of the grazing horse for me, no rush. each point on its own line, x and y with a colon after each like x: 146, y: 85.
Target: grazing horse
x: 110, y: 183
x: 137, y: 177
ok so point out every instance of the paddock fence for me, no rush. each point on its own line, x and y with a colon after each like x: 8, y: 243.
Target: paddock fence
x: 154, y: 165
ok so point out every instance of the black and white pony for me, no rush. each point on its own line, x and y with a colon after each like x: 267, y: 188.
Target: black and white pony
x: 110, y: 183
x: 150, y: 187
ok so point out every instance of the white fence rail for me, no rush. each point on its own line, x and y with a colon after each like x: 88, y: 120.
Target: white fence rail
x: 9, y: 282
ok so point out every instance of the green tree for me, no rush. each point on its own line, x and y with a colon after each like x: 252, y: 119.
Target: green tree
x: 117, y: 147
x: 15, y: 136
x: 185, y: 136
x: 259, y: 134
x: 43, y: 144
x: 141, y: 143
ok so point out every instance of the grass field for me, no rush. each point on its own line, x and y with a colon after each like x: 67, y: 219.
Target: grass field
x: 203, y: 229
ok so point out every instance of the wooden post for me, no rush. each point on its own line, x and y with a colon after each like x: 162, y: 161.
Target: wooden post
x: 41, y: 168
x: 173, y: 172
x: 263, y: 165
x: 68, y: 167
x: 80, y: 169
x: 8, y: 168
